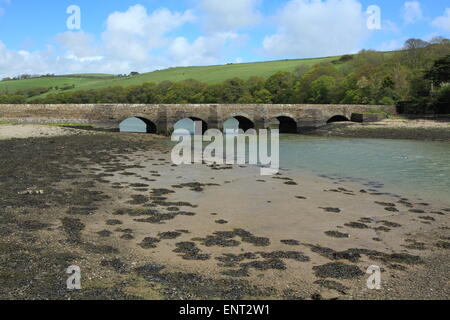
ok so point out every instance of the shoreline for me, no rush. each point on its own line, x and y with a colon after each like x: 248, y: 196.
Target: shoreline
x: 396, y: 129
x: 142, y: 228
x: 405, y: 129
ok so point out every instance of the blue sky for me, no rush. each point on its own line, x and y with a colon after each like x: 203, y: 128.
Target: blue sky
x: 119, y: 36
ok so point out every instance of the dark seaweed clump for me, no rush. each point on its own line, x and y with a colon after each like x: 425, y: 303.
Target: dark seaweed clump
x: 169, y: 235
x: 338, y: 270
x: 354, y: 255
x: 356, y: 225
x: 334, y: 285
x: 188, y: 286
x: 294, y: 255
x: 332, y: 210
x: 290, y: 242
x: 116, y: 264
x: 230, y: 260
x: 443, y: 245
x: 337, y: 234
x: 149, y: 243
x: 190, y: 251
x: 272, y: 261
x: 104, y: 233
x: 226, y: 239
x: 73, y: 228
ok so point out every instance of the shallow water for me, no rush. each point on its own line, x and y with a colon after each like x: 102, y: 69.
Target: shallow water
x: 419, y: 168
x: 416, y: 168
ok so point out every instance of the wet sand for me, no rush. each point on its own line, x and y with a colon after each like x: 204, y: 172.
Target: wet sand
x: 33, y: 131
x: 142, y: 228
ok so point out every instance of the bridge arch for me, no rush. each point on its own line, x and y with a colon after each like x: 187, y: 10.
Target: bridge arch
x: 338, y: 118
x: 287, y: 124
x: 138, y: 125
x: 242, y: 122
x: 190, y: 123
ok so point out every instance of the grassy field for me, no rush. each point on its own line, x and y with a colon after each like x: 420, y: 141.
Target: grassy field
x: 207, y: 74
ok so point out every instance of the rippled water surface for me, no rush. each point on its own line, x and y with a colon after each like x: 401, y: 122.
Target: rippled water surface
x: 417, y: 167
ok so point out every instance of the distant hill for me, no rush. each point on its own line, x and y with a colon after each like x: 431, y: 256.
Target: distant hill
x: 415, y: 78
x: 206, y: 74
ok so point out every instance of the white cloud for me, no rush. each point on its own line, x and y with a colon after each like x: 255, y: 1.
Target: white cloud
x: 443, y: 22
x: 229, y: 15
x: 135, y: 33
x: 78, y: 44
x: 14, y: 62
x: 133, y: 40
x: 2, y: 11
x: 412, y: 12
x: 311, y: 28
x: 205, y: 50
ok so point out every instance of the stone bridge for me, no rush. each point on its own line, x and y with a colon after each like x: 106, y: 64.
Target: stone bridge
x: 161, y: 118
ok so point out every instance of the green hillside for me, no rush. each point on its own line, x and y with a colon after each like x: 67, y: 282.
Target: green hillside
x: 217, y: 74
x: 206, y: 74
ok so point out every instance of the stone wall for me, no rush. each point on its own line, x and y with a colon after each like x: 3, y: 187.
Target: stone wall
x: 165, y: 116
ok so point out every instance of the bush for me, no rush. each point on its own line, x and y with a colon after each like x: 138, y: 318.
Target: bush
x: 31, y: 92
x: 343, y: 59
x: 388, y: 101
x: 417, y: 106
x: 441, y: 102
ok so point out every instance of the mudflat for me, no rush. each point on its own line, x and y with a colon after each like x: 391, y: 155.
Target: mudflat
x: 140, y: 227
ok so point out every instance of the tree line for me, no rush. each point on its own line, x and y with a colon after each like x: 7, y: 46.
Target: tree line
x: 415, y: 78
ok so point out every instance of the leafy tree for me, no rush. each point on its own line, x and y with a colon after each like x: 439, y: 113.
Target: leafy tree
x: 184, y: 92
x: 247, y: 98
x: 232, y: 90
x: 387, y: 101
x: 322, y: 90
x: 12, y: 99
x: 368, y: 77
x: 413, y: 44
x: 439, y: 74
x: 441, y: 102
x: 254, y: 84
x: 263, y: 96
x: 280, y: 85
x: 352, y: 96
x: 212, y: 93
x: 414, y: 49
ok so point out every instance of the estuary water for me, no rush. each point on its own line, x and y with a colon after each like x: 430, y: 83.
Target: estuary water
x: 416, y: 168
x: 420, y: 168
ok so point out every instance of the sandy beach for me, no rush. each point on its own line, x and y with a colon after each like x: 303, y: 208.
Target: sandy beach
x: 140, y: 227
